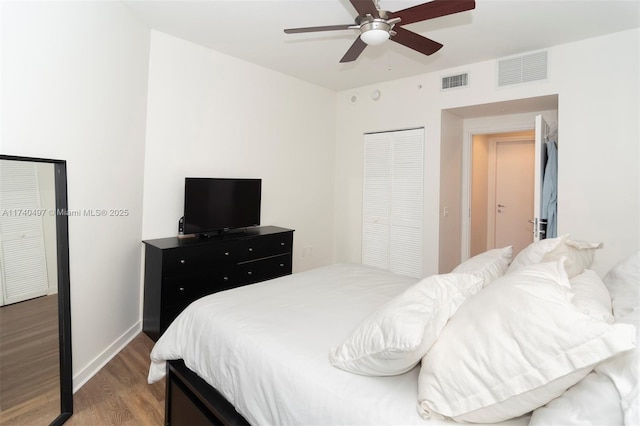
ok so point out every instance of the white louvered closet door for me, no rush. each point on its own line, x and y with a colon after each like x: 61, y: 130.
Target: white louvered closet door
x: 376, y: 203
x: 23, y: 272
x: 393, y: 201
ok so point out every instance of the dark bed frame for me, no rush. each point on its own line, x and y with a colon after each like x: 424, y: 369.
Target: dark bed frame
x: 191, y: 401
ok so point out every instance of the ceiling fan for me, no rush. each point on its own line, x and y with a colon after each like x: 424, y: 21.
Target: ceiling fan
x: 377, y: 26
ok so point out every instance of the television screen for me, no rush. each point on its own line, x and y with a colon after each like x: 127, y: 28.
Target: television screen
x: 217, y: 204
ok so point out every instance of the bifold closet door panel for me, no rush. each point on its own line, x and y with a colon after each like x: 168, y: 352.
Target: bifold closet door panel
x: 392, y: 205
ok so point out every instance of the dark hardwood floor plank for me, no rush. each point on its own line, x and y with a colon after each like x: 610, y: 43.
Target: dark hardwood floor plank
x: 119, y: 394
x: 29, y: 360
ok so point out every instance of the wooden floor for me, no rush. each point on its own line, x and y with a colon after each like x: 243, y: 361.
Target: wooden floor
x: 29, y: 355
x: 119, y: 393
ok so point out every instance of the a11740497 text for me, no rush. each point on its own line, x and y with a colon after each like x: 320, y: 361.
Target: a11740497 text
x: 15, y: 212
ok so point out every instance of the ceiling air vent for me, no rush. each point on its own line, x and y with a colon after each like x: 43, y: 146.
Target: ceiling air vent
x: 453, y: 81
x: 522, y: 69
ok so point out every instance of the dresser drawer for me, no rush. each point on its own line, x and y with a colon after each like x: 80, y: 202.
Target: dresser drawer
x: 265, y: 269
x: 264, y: 246
x: 179, y: 292
x: 179, y: 289
x: 194, y: 260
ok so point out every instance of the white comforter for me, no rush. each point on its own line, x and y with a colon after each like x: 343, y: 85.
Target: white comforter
x: 265, y: 348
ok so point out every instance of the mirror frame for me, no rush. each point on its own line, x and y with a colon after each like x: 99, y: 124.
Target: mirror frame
x: 64, y: 300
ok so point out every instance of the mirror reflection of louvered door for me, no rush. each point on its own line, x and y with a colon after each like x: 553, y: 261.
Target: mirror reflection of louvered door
x: 393, y: 201
x: 23, y: 271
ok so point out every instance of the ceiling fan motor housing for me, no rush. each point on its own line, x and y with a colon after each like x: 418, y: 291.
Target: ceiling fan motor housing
x: 377, y: 26
x: 375, y: 32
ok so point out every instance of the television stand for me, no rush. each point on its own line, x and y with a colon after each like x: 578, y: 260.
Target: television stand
x: 178, y: 271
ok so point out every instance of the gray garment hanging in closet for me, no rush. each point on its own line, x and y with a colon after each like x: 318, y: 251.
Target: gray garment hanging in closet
x: 550, y: 190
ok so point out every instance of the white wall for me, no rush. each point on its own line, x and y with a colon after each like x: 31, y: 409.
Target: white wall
x: 599, y: 144
x: 599, y: 184
x: 212, y: 115
x: 74, y: 79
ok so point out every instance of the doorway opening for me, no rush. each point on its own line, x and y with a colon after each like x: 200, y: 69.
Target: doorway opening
x: 458, y: 126
x: 501, y: 191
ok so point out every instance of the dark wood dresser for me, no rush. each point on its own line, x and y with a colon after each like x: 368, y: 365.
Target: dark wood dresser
x: 178, y: 271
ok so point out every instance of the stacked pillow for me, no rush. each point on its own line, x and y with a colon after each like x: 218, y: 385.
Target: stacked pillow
x: 591, y: 296
x: 513, y: 347
x: 489, y: 265
x: 535, y: 252
x: 623, y: 282
x: 592, y: 401
x: 395, y: 337
x: 540, y: 328
x: 578, y: 254
x: 610, y: 394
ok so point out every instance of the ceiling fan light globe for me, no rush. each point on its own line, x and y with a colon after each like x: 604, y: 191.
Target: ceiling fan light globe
x: 374, y: 37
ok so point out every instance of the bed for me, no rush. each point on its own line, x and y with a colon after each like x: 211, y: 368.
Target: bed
x: 350, y: 344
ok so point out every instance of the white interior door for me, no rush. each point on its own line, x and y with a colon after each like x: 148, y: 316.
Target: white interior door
x: 541, y: 129
x: 513, y: 194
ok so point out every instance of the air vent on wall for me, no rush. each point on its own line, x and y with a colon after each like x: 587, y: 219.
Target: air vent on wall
x: 453, y: 81
x: 522, y: 69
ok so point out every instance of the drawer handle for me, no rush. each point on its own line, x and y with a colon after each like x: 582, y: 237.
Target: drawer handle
x: 282, y: 265
x: 249, y: 272
x: 250, y: 249
x: 281, y: 244
x: 182, y: 261
x: 181, y: 289
x: 226, y: 253
x: 225, y: 278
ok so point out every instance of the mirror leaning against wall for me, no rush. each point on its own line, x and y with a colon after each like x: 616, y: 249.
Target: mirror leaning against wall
x: 35, y: 321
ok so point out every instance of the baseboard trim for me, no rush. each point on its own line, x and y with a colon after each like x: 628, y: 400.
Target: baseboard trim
x: 101, y: 360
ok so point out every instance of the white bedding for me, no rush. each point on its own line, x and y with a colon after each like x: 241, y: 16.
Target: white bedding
x: 265, y: 348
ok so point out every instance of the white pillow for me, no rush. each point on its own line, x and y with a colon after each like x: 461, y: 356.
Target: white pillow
x: 395, y: 337
x: 579, y: 255
x: 489, y: 265
x: 624, y: 372
x: 591, y: 296
x: 592, y: 401
x: 513, y: 347
x: 535, y: 252
x: 623, y: 282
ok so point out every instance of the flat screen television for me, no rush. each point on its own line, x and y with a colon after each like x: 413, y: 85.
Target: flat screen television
x: 215, y: 205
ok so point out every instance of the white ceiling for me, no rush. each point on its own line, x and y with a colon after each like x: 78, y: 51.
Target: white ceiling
x: 253, y: 31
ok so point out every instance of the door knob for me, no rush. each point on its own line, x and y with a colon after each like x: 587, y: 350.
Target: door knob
x: 501, y: 205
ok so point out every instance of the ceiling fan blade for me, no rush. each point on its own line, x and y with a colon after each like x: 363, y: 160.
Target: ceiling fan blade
x: 415, y: 41
x: 365, y: 7
x: 432, y: 9
x: 354, y: 51
x: 314, y: 29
